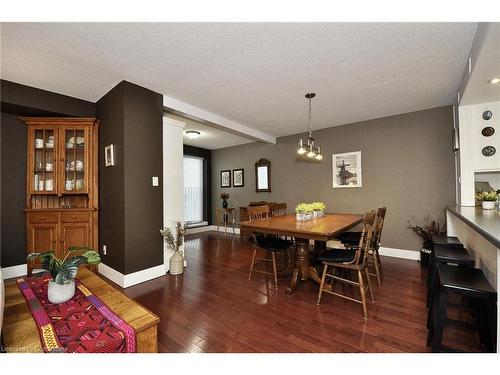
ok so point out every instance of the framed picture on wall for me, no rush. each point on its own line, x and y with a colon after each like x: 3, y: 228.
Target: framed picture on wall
x: 347, y: 169
x: 238, y: 177
x: 109, y: 156
x: 225, y: 179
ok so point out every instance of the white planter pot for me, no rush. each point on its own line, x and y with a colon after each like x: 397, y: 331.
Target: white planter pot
x: 318, y: 214
x: 488, y: 205
x: 58, y: 293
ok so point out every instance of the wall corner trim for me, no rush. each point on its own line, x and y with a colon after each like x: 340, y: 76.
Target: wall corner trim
x: 131, y: 279
x: 14, y: 271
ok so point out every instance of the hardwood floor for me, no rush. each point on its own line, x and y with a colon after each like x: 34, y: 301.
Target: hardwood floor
x: 212, y: 307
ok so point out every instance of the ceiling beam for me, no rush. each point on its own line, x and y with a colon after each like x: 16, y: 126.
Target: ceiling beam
x: 199, y: 114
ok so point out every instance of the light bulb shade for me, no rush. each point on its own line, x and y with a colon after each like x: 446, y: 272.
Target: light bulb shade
x: 193, y: 134
x: 319, y: 157
x: 301, y: 150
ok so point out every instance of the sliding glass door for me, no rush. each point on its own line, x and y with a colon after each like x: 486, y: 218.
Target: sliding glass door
x: 193, y: 190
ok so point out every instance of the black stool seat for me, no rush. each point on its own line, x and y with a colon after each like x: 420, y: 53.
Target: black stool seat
x: 457, y: 255
x: 472, y: 284
x: 439, y: 239
x: 351, y: 238
x: 464, y: 281
x: 446, y: 254
x: 337, y: 255
x: 273, y: 243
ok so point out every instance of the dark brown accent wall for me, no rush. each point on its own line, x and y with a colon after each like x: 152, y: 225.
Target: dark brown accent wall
x: 131, y: 208
x: 407, y: 165
x: 20, y: 100
x: 207, y: 177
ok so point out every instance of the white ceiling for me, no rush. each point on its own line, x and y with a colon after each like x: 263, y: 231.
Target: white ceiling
x: 486, y: 67
x: 253, y: 73
x: 211, y: 137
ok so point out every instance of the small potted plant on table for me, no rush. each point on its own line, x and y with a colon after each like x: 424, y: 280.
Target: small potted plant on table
x: 488, y: 199
x: 63, y: 271
x: 318, y: 209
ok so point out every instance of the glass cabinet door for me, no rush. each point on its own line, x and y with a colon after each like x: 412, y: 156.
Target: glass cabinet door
x: 44, y: 161
x: 75, y: 160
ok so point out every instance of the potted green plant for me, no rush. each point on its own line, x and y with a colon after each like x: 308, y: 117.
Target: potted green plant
x: 425, y: 231
x: 63, y: 271
x: 318, y: 209
x: 304, y: 212
x: 174, y: 243
x: 488, y: 199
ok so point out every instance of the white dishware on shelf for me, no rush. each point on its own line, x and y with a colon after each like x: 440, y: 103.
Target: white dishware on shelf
x: 37, y: 178
x: 69, y: 145
x: 49, y: 167
x: 69, y: 184
x: 49, y: 185
x: 79, y: 165
x: 38, y: 143
x: 40, y: 185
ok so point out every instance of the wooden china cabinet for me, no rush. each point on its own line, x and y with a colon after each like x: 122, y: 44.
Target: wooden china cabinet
x: 62, y: 191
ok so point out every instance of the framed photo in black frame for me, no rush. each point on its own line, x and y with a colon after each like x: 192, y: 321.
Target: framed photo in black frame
x: 238, y: 177
x: 225, y: 178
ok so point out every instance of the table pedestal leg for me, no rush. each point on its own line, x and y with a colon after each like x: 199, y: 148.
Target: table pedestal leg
x: 302, y: 267
x: 301, y: 263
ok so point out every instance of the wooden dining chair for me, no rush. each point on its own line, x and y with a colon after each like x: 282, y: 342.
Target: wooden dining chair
x: 373, y: 253
x: 351, y: 240
x: 278, y: 209
x: 271, y: 245
x: 350, y: 260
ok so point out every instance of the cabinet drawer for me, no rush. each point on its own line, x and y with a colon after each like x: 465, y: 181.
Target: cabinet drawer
x: 42, y: 217
x: 74, y: 217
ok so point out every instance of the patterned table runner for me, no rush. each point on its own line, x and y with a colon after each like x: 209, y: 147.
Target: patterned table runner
x: 84, y: 324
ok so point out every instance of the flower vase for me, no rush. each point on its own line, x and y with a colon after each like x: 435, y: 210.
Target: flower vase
x: 60, y: 293
x: 177, y: 263
x: 224, y: 203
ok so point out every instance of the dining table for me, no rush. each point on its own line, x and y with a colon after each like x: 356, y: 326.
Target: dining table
x: 320, y: 230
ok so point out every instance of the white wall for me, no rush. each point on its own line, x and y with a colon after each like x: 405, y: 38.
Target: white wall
x: 472, y: 142
x: 173, y: 194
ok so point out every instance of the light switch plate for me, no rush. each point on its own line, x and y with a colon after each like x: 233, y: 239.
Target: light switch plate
x: 155, y: 181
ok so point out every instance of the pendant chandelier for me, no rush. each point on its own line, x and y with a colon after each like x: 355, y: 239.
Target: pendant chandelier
x: 309, y: 149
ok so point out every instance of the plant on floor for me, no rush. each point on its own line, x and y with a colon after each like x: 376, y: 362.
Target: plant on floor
x: 429, y: 228
x: 174, y: 242
x: 487, y: 196
x: 64, y: 270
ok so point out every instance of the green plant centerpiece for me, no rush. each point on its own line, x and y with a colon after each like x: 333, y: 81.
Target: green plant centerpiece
x: 309, y: 211
x: 426, y: 231
x: 488, y: 199
x: 174, y: 243
x: 63, y: 271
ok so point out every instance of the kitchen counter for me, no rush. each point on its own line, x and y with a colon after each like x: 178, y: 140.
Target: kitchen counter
x: 485, y: 222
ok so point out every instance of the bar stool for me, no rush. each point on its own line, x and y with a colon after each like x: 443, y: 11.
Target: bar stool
x: 471, y: 283
x: 444, y: 254
x: 440, y: 240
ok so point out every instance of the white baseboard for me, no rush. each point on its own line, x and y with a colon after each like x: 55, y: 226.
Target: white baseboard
x: 14, y: 271
x: 399, y: 253
x: 131, y: 279
x: 211, y: 228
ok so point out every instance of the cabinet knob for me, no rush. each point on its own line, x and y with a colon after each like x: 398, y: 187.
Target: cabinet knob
x: 73, y: 217
x: 61, y: 240
x: 42, y: 218
x: 62, y: 159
